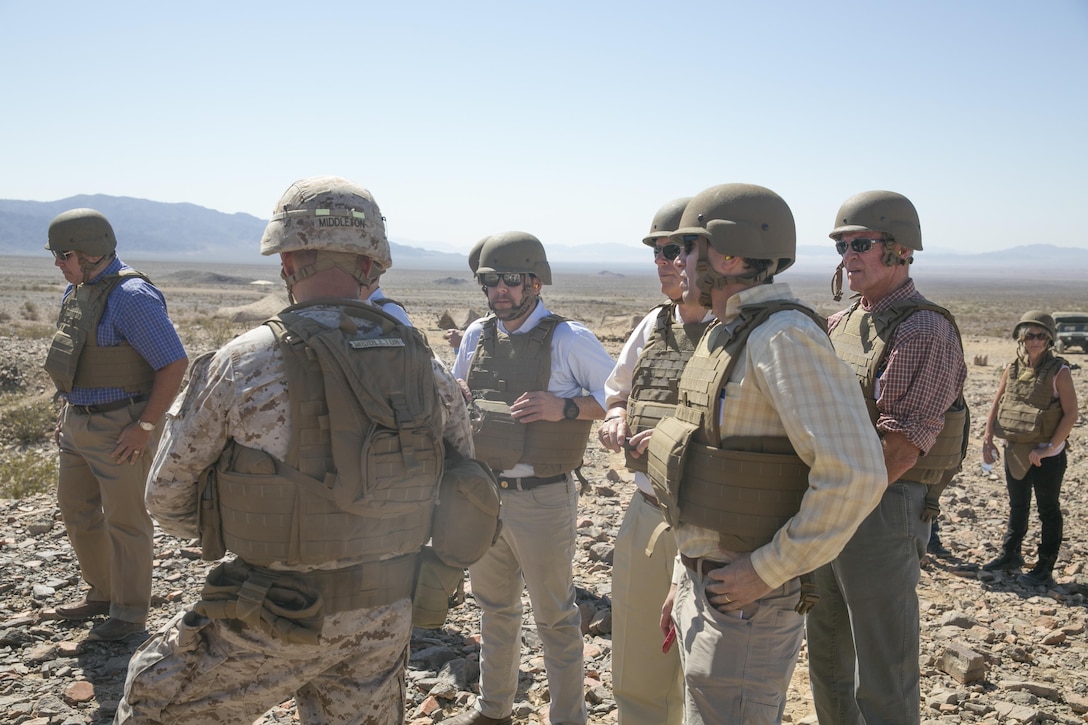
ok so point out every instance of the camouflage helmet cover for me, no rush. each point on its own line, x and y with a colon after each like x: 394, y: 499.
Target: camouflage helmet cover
x: 331, y: 214
x: 880, y: 211
x: 81, y: 230
x: 743, y: 220
x: 666, y: 220
x: 514, y: 252
x: 1039, y: 318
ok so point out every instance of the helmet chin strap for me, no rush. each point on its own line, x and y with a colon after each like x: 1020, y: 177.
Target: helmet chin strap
x: 346, y: 262
x: 528, y: 302
x: 711, y: 279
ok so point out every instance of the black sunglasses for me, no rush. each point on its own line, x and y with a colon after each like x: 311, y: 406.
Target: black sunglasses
x: 62, y: 256
x: 861, y: 246
x: 673, y: 250
x: 1036, y: 336
x: 510, y: 279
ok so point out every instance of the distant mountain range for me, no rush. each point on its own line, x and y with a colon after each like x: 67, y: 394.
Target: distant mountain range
x: 180, y: 232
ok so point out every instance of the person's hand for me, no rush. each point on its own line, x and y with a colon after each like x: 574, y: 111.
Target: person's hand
x: 465, y: 392
x: 989, y: 452
x: 131, y: 444
x: 666, y: 612
x: 639, y: 442
x: 735, y: 585
x: 1038, y: 454
x: 613, y: 431
x: 537, y: 405
x: 454, y: 337
x: 56, y: 427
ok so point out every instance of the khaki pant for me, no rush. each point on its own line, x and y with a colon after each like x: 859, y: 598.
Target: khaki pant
x: 102, y: 504
x: 736, y: 670
x: 648, y: 685
x: 535, y: 550
x: 197, y: 671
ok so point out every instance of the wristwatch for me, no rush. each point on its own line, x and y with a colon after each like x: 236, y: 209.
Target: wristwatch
x: 570, y: 410
x: 145, y: 425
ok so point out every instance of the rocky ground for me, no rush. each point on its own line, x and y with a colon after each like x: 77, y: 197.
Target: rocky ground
x: 992, y: 650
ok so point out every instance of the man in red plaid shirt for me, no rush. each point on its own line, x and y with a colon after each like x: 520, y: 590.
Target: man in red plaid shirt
x: 906, y: 352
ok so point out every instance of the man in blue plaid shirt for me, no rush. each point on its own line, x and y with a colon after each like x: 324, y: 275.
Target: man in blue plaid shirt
x: 117, y: 363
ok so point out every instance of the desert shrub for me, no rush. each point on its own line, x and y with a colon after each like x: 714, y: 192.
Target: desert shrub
x: 35, y: 331
x: 4, y: 316
x: 28, y: 425
x: 30, y: 310
x: 27, y: 472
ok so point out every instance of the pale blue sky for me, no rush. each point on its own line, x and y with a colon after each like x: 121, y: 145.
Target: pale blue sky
x: 573, y: 121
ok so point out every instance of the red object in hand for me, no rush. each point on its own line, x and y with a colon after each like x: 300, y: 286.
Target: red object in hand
x: 669, y: 639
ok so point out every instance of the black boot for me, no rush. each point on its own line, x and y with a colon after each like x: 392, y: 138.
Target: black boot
x: 1009, y: 559
x: 1039, y: 576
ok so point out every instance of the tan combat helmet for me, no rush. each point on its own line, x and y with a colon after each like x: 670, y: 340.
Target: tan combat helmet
x: 743, y: 220
x: 474, y: 254
x: 517, y: 252
x: 880, y: 211
x: 1037, y: 318
x: 666, y: 220
x: 81, y: 230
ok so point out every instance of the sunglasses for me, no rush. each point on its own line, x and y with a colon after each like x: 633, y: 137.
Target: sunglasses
x: 510, y: 279
x: 62, y: 256
x: 1036, y: 336
x: 673, y: 250
x: 861, y: 246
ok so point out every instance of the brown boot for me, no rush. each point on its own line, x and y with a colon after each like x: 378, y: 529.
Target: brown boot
x: 113, y: 630
x: 83, y: 610
x: 475, y: 717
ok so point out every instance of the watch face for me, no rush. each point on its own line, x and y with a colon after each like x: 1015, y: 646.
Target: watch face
x: 570, y: 411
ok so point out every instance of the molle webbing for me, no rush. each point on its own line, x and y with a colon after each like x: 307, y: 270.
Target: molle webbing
x: 365, y: 455
x: 1028, y: 411
x: 503, y: 367
x: 744, y: 495
x: 656, y: 377
x: 292, y: 606
x: 76, y: 360
x: 861, y: 340
x: 745, y: 488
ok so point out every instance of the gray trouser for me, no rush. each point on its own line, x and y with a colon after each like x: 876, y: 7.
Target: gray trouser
x: 863, y: 634
x: 736, y: 670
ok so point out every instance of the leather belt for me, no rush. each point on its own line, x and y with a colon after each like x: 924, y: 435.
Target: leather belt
x: 105, y: 407
x: 704, y: 565
x: 527, y: 483
x: 649, y: 499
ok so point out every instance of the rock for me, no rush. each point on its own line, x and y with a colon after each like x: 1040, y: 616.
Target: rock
x: 962, y: 663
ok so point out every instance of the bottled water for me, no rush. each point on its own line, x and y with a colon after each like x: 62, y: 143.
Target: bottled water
x: 986, y: 467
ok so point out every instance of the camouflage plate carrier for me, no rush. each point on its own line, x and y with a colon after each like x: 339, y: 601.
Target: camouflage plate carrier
x: 364, y: 460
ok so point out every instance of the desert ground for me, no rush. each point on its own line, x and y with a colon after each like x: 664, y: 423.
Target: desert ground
x: 1029, y: 645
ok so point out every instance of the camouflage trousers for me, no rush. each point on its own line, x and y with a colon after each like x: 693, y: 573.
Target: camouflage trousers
x: 200, y: 670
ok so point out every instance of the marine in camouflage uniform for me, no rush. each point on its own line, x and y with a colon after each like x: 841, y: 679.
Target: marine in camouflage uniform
x: 231, y: 669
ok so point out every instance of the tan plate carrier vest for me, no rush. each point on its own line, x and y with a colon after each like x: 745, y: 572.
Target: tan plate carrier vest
x: 655, y: 380
x: 503, y: 367
x: 365, y: 456
x: 745, y: 488
x: 861, y: 340
x: 1028, y: 411
x: 75, y: 358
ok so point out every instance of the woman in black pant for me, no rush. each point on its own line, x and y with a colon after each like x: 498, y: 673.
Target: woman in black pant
x: 1034, y: 410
